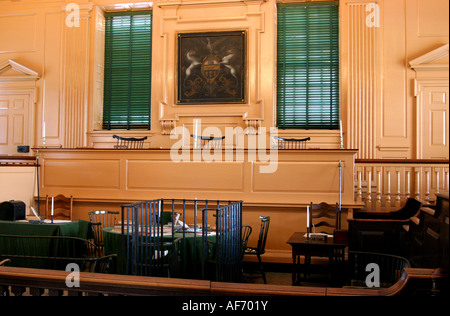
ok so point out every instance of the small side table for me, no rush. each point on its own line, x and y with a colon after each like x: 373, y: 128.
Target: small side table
x: 301, y: 245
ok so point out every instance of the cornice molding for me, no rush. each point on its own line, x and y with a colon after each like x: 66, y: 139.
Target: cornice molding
x: 162, y: 3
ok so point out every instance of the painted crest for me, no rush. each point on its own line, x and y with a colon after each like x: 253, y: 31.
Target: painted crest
x: 211, y: 67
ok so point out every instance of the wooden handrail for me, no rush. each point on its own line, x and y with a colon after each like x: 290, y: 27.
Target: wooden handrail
x: 99, y: 284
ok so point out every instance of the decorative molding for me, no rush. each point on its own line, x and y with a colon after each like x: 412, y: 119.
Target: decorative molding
x: 393, y: 148
x: 25, y: 73
x: 168, y: 125
x: 424, y: 62
x: 162, y: 3
x: 75, y: 85
x: 364, y: 86
x: 253, y: 125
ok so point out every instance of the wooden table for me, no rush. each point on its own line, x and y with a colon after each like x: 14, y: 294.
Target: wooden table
x: 301, y: 245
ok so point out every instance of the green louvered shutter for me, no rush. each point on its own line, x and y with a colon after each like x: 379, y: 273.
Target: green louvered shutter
x: 128, y: 62
x: 308, y: 66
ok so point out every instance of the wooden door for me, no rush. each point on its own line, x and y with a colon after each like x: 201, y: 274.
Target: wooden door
x: 15, y: 120
x: 434, y: 123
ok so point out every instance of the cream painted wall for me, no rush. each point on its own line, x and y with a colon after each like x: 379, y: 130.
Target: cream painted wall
x: 68, y: 91
x: 19, y: 184
x: 383, y: 125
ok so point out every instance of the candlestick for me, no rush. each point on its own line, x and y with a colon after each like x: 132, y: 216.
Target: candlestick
x: 307, y: 217
x: 43, y: 133
x: 53, y: 207
x: 341, y: 136
x: 307, y: 224
x: 196, y: 132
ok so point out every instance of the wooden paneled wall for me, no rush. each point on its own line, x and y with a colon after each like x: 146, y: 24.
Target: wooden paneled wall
x: 378, y: 40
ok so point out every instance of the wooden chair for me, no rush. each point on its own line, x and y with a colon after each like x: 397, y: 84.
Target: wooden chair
x: 259, y: 250
x: 99, y: 220
x: 324, y: 217
x: 129, y: 142
x: 391, y: 268
x: 246, y: 232
x: 291, y: 143
x: 208, y: 142
x: 158, y: 259
x: 2, y: 263
x: 63, y: 207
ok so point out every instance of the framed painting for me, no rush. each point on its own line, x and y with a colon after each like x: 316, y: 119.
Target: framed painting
x: 212, y: 68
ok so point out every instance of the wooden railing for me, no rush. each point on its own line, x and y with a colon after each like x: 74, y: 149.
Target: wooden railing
x: 17, y: 161
x: 35, y: 282
x: 387, y: 183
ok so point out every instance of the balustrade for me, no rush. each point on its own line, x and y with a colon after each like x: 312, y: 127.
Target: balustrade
x: 386, y: 184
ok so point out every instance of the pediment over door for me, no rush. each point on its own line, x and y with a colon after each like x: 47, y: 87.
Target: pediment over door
x: 436, y: 60
x: 11, y: 70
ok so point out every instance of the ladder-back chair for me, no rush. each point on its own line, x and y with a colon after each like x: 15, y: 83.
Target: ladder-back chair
x: 62, y: 207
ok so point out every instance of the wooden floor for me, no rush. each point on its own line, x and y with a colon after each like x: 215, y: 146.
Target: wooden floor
x: 282, y: 275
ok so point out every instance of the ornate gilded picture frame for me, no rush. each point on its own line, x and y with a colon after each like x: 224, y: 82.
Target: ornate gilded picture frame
x: 212, y: 68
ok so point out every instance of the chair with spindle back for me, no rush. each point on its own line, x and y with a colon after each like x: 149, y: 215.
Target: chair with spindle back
x: 291, y: 143
x: 207, y: 142
x: 129, y: 142
x: 99, y: 220
x: 261, y: 245
x: 246, y: 232
x: 2, y: 263
x: 390, y: 267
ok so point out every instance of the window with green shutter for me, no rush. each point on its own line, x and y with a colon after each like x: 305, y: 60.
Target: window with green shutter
x: 308, y: 66
x: 128, y: 62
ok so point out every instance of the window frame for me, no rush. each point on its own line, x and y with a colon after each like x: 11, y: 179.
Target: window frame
x: 336, y: 112
x: 105, y: 125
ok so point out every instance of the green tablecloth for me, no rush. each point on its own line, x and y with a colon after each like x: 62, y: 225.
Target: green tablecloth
x: 14, y: 248
x: 80, y: 229
x: 191, y: 259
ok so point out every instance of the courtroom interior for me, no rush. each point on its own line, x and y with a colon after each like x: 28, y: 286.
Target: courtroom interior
x: 224, y: 147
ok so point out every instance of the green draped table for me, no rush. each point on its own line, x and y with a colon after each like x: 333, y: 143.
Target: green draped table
x: 191, y: 259
x: 80, y: 229
x: 34, y: 248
